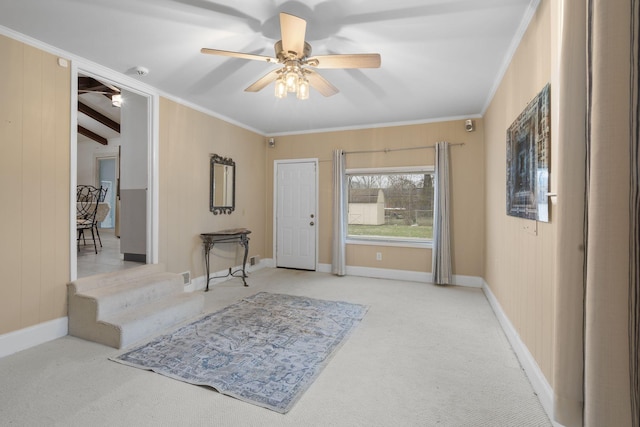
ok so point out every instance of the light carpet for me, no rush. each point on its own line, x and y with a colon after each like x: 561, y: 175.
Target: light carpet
x: 266, y: 349
x: 424, y: 355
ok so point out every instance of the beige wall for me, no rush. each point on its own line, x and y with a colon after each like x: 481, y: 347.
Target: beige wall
x: 34, y: 186
x: 187, y: 139
x: 519, y: 264
x: 467, y: 188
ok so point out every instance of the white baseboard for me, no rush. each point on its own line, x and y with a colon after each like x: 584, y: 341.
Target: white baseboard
x: 41, y: 333
x: 540, y: 384
x: 411, y: 276
x: 387, y: 273
x: 200, y: 283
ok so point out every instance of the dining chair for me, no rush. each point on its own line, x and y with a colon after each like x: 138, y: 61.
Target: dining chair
x: 87, y: 198
x: 101, y: 212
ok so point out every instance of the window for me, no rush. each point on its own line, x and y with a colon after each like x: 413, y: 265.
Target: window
x: 390, y: 205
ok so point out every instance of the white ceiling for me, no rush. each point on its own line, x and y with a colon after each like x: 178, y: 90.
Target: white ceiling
x: 441, y: 59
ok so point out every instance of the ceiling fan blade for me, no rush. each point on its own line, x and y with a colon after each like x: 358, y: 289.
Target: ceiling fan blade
x: 239, y: 55
x: 263, y: 81
x: 361, y: 60
x: 293, y: 30
x: 319, y: 83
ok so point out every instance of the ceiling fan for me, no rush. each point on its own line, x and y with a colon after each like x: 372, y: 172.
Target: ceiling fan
x: 292, y: 51
x: 90, y: 85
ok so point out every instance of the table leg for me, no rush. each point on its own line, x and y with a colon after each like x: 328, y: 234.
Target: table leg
x: 244, y: 241
x: 207, y: 248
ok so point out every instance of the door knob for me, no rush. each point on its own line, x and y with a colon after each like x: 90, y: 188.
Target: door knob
x: 311, y: 223
x: 311, y: 215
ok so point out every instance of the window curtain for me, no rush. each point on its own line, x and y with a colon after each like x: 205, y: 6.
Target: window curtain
x: 441, y: 252
x: 338, y: 264
x: 570, y: 170
x: 611, y: 361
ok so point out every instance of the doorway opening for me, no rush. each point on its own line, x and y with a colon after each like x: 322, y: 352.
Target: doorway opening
x: 112, y: 153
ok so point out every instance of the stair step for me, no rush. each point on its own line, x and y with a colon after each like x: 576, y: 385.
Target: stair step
x: 153, y: 318
x: 123, y: 296
x: 120, y: 308
x: 116, y: 277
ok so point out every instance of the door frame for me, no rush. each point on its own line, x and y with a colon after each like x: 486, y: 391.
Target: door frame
x: 80, y: 66
x: 276, y: 163
x: 99, y: 158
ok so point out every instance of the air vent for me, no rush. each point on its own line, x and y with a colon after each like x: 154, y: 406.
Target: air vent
x: 186, y: 277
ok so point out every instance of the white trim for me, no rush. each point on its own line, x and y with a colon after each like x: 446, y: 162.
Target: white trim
x: 468, y: 281
x: 387, y: 273
x: 155, y: 180
x: 32, y: 336
x: 376, y: 125
x: 391, y: 170
x: 513, y: 47
x: 209, y: 112
x: 389, y: 241
x: 82, y: 66
x: 153, y: 138
x: 275, y: 203
x: 153, y: 195
x: 406, y: 275
x: 540, y: 384
x: 73, y: 173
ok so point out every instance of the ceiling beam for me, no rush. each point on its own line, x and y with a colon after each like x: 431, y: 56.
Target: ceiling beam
x: 84, y: 108
x: 89, y: 84
x: 97, y: 138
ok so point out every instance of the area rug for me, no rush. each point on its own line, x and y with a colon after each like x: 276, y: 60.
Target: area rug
x: 266, y: 349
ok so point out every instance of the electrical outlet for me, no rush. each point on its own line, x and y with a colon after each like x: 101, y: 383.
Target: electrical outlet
x: 378, y: 256
x: 531, y: 227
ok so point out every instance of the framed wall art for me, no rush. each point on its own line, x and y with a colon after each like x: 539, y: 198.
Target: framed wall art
x: 528, y: 140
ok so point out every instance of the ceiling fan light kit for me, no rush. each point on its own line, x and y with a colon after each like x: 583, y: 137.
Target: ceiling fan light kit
x: 116, y: 100
x: 292, y: 51
x: 292, y: 79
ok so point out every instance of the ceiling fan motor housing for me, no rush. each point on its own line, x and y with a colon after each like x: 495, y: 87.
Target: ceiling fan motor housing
x: 283, y: 56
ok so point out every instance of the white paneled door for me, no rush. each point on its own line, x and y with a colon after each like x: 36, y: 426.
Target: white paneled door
x: 296, y: 217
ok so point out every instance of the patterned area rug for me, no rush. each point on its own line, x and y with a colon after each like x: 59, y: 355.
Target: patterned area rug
x: 266, y: 349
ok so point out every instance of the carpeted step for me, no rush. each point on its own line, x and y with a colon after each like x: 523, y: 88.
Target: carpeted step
x: 153, y: 318
x: 115, y: 277
x: 139, y: 290
x: 122, y: 307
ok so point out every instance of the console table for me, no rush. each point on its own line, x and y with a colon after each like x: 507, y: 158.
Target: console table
x: 226, y: 236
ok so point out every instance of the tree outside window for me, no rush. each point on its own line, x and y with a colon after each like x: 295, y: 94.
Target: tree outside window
x: 391, y: 205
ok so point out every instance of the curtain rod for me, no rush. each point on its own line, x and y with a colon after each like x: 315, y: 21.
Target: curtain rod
x: 386, y: 150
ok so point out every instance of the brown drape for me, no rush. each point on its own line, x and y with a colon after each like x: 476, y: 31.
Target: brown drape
x: 634, y: 216
x: 596, y: 375
x: 570, y: 170
x: 609, y: 61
